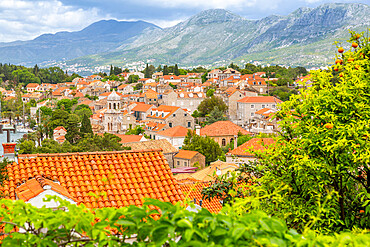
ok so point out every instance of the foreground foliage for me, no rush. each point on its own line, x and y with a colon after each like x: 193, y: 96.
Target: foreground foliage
x: 134, y: 226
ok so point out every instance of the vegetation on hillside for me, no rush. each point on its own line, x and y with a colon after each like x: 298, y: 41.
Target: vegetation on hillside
x: 318, y: 172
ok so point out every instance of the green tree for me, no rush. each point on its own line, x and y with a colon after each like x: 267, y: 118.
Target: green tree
x: 216, y: 115
x: 176, y: 70
x: 66, y: 104
x: 138, y: 86
x: 204, y: 77
x: 210, y: 92
x: 133, y: 79
x: 72, y: 126
x: 26, y: 147
x: 83, y: 110
x: 3, y: 171
x: 111, y: 70
x: 147, y: 72
x: 165, y: 70
x: 322, y: 153
x: 86, y: 125
x: 135, y: 131
x: 208, y: 104
x: 204, y: 145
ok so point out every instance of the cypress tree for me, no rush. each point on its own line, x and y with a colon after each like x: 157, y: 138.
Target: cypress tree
x: 165, y: 70
x: 176, y: 70
x: 86, y: 125
x: 147, y: 74
x: 111, y: 70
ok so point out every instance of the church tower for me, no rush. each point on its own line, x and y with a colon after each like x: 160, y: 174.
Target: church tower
x: 113, y: 115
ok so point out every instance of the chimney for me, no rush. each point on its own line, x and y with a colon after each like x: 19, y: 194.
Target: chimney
x: 235, y: 141
x: 197, y: 130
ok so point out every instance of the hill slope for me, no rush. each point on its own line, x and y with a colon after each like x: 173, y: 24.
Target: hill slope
x: 216, y: 35
x: 102, y: 36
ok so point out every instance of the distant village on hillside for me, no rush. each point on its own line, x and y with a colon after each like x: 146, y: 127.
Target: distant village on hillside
x: 158, y: 112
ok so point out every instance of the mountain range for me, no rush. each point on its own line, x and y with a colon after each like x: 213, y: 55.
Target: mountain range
x: 213, y: 37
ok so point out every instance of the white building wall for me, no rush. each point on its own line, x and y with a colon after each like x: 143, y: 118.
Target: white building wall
x: 38, y: 201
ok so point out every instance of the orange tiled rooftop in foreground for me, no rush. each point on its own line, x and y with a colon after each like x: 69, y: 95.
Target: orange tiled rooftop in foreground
x: 126, y: 177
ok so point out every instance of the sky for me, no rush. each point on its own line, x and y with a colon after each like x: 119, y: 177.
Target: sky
x: 27, y: 19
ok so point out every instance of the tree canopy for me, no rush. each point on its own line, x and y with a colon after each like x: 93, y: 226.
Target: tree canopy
x: 208, y: 104
x: 204, y: 145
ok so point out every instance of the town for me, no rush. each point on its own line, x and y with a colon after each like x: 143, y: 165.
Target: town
x: 153, y: 109
x: 183, y: 146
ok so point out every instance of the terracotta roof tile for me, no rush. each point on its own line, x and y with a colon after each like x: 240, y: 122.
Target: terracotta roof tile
x: 162, y: 144
x: 177, y: 131
x: 142, y: 107
x: 260, y: 99
x: 186, y: 154
x: 35, y: 186
x: 223, y: 128
x: 82, y: 173
x: 193, y: 191
x: 127, y: 138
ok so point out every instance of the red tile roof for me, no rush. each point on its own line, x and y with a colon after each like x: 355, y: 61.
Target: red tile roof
x: 60, y: 128
x: 32, y: 85
x: 194, y: 191
x: 223, y: 128
x: 171, y: 77
x: 177, y: 131
x: 256, y: 144
x: 186, y: 154
x: 127, y: 138
x: 142, y: 107
x: 35, y: 186
x: 126, y: 177
x: 260, y: 99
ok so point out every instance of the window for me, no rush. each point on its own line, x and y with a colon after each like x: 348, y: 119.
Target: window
x: 189, y: 124
x: 259, y: 83
x: 162, y: 114
x: 252, y: 114
x: 185, y: 114
x: 170, y: 124
x: 156, y: 114
x: 273, y: 106
x: 223, y: 142
x: 174, y: 115
x: 252, y: 106
x: 263, y: 106
x: 178, y: 163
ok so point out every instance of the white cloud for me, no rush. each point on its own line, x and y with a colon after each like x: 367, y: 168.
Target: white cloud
x: 210, y: 4
x: 24, y: 20
x: 166, y: 23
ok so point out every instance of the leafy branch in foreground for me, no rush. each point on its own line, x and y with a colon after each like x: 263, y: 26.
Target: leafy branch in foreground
x: 25, y: 225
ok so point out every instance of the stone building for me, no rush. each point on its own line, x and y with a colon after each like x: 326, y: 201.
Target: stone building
x: 113, y: 115
x: 223, y: 132
x: 186, y: 158
x: 171, y: 116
